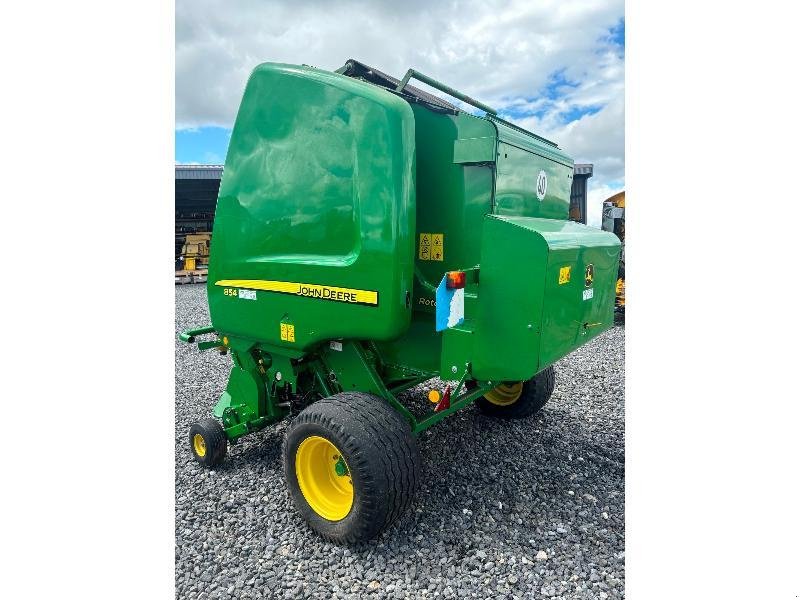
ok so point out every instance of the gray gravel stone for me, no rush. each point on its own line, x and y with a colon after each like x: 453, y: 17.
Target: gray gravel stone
x: 559, y: 478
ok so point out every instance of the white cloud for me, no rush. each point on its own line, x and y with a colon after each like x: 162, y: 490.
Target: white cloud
x: 594, y: 202
x: 503, y: 53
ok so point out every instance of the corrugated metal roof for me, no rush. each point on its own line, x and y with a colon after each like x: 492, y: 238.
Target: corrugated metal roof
x: 198, y: 171
x: 584, y: 169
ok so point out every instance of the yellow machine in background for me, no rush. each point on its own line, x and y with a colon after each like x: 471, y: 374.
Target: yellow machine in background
x: 195, y: 251
x: 614, y: 221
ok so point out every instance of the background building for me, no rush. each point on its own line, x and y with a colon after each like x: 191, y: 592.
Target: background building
x: 196, y: 190
x: 577, y: 199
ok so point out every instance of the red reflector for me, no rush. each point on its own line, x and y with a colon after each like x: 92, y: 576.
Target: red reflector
x: 444, y: 403
x: 456, y: 280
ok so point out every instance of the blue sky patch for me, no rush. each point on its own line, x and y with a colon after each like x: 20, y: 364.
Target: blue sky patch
x: 558, y: 85
x: 617, y: 34
x: 576, y: 112
x: 203, y: 145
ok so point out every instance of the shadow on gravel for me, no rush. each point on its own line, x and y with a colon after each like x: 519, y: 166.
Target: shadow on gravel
x: 267, y: 449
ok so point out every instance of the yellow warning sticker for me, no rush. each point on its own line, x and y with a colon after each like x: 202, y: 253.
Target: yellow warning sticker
x: 437, y: 246
x: 563, y: 275
x: 424, y: 246
x: 287, y: 332
x: 431, y: 246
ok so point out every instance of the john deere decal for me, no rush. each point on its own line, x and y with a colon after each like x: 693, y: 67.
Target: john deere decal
x: 309, y: 290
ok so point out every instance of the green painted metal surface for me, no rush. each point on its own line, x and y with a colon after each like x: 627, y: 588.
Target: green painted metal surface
x: 518, y: 172
x: 452, y: 199
x: 411, y: 73
x: 318, y: 190
x: 530, y: 312
x: 342, y: 206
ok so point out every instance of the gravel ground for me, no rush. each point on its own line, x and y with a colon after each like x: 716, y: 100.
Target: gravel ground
x: 532, y: 508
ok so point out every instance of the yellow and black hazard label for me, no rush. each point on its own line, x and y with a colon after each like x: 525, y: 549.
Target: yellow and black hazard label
x: 589, y: 280
x: 563, y: 275
x: 287, y: 332
x: 309, y: 290
x: 431, y: 246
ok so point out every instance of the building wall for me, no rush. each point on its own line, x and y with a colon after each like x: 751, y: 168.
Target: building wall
x: 196, y: 190
x: 577, y: 199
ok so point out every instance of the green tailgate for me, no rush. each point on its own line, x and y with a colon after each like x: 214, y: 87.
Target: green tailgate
x: 314, y: 230
x: 535, y: 303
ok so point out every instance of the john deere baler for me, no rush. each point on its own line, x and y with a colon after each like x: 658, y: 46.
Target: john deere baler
x: 370, y: 236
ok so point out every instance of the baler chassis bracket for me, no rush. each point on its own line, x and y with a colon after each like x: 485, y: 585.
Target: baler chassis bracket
x: 354, y: 367
x: 263, y: 382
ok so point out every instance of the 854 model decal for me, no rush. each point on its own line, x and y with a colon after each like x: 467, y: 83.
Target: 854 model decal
x: 309, y: 290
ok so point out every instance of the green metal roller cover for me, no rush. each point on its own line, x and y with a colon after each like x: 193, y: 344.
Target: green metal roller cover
x: 314, y: 231
x: 546, y: 287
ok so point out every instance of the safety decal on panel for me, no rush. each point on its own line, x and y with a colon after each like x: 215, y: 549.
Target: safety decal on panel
x: 431, y: 246
x: 309, y: 290
x: 287, y: 332
x: 589, y: 279
x: 563, y: 275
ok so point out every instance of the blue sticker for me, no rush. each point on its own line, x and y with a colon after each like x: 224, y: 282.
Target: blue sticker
x: 449, y: 306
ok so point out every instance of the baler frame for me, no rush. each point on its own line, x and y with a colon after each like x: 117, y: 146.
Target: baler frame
x: 355, y: 363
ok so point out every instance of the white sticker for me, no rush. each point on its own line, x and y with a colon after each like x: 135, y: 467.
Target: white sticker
x: 336, y: 346
x: 541, y: 185
x: 588, y: 293
x: 247, y: 294
x: 456, y: 315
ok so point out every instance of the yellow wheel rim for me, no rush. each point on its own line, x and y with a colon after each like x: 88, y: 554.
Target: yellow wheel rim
x: 324, y: 478
x: 504, y: 394
x: 199, y: 445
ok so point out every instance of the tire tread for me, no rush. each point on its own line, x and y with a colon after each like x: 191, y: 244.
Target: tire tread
x: 379, y: 443
x: 535, y: 394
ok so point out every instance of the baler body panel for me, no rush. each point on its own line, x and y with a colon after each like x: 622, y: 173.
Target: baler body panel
x: 517, y: 177
x: 535, y: 305
x: 455, y: 181
x: 452, y: 198
x: 315, y: 220
x: 521, y: 158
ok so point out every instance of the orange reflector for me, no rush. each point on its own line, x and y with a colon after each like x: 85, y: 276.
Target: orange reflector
x: 434, y: 396
x: 456, y: 280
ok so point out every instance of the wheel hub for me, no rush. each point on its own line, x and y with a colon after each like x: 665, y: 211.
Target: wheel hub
x: 199, y: 445
x: 504, y: 394
x: 324, y: 478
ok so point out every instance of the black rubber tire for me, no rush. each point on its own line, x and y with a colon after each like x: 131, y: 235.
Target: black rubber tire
x: 380, y: 452
x: 215, y: 439
x: 535, y: 394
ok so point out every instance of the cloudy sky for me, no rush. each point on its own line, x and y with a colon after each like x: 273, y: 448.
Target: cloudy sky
x: 553, y: 67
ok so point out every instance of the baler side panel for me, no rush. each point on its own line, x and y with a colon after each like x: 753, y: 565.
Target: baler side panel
x: 578, y: 310
x: 452, y: 198
x: 518, y: 173
x: 535, y: 305
x: 510, y: 302
x: 316, y: 212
